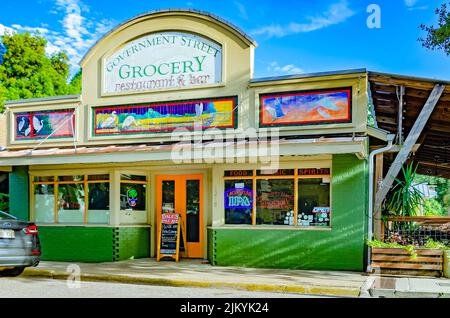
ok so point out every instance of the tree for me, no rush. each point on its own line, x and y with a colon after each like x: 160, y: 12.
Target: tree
x: 75, y: 83
x: 27, y: 72
x: 438, y: 38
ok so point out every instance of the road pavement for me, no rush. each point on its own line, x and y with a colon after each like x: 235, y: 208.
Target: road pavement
x: 28, y: 287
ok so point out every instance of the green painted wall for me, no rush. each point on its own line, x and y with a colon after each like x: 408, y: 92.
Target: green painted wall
x: 131, y: 242
x: 341, y: 248
x: 93, y: 244
x: 18, y: 193
x: 82, y: 244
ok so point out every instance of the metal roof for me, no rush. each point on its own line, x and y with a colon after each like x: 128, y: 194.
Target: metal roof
x: 175, y: 10
x: 42, y: 99
x: 305, y: 75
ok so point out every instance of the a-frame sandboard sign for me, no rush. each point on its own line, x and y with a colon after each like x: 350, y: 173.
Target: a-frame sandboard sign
x: 170, y: 229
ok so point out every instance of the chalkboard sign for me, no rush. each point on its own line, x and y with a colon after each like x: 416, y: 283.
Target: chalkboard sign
x: 170, y: 232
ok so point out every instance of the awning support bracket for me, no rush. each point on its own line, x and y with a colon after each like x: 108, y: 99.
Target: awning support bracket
x: 410, y: 141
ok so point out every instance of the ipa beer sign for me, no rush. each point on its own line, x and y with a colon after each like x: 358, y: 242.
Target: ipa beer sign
x: 163, y: 61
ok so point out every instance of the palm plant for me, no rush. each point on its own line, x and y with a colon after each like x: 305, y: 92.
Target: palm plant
x: 405, y: 199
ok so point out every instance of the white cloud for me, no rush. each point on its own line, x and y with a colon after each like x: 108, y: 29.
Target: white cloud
x: 335, y: 14
x: 410, y: 3
x: 241, y: 9
x: 6, y: 30
x: 277, y: 69
x: 20, y: 28
x: 78, y: 33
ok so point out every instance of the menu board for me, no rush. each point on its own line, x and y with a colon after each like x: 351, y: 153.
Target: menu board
x: 170, y: 233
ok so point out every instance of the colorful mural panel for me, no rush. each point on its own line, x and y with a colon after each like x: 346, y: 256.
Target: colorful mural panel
x: 306, y: 107
x: 165, y: 117
x: 38, y: 125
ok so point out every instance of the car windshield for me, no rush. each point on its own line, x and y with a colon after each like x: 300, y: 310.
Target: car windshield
x: 6, y: 216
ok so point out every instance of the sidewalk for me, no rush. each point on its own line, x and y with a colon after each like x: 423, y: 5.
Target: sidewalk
x: 192, y: 273
x: 409, y: 287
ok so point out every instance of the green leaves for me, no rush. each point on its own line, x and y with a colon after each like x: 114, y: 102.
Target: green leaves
x: 438, y: 38
x: 27, y: 72
x: 4, y: 202
x: 405, y: 198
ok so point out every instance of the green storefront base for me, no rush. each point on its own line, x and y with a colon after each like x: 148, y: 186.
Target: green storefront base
x: 340, y: 248
x: 93, y: 244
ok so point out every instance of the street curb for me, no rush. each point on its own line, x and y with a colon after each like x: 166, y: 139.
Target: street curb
x: 296, y: 289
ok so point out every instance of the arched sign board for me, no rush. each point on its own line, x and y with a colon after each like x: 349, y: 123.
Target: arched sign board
x: 161, y: 61
x: 170, y: 237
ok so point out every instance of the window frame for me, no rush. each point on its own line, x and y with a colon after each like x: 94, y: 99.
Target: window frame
x: 295, y: 177
x: 148, y: 197
x: 56, y: 183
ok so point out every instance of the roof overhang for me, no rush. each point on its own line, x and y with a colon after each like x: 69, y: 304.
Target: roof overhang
x: 432, y: 151
x: 212, y: 152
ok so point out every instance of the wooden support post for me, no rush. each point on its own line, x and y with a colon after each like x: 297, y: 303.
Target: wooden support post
x: 413, y: 135
x: 400, y: 116
x: 377, y: 222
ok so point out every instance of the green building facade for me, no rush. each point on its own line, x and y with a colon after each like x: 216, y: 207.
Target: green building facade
x: 269, y: 172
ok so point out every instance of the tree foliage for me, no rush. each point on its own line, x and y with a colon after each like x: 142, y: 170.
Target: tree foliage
x: 442, y: 188
x: 438, y: 38
x: 27, y: 72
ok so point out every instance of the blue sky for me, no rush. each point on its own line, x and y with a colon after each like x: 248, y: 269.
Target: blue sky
x: 293, y: 36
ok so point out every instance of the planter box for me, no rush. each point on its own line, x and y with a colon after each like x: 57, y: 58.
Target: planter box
x: 397, y: 261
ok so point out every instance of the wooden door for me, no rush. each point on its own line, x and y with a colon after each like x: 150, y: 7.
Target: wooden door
x: 183, y: 194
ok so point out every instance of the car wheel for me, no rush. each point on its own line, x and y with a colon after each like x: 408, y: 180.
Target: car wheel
x: 13, y: 272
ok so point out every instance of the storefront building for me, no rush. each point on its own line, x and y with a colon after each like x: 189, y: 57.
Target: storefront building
x: 269, y: 172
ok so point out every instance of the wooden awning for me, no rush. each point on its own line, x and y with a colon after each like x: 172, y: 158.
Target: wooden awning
x: 433, y: 152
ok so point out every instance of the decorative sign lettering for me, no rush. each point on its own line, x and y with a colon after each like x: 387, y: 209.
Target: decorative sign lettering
x: 162, y: 61
x: 238, y: 198
x: 306, y: 107
x: 38, y: 125
x: 322, y: 215
x: 275, y: 200
x: 275, y: 172
x: 314, y: 172
x: 165, y: 117
x: 238, y: 173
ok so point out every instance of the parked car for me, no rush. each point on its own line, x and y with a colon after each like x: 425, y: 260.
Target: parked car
x: 19, y: 245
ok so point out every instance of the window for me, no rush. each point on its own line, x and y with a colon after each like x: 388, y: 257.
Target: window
x: 275, y: 201
x: 133, y: 207
x: 98, y: 203
x: 238, y: 200
x: 77, y: 199
x: 284, y: 197
x: 314, y: 202
x: 44, y: 203
x: 71, y: 204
